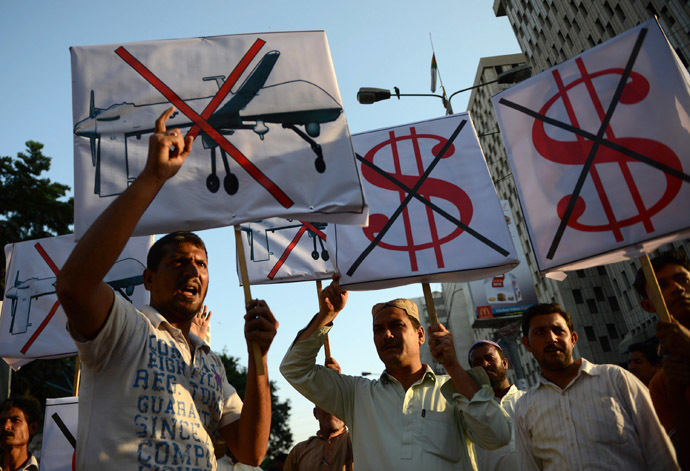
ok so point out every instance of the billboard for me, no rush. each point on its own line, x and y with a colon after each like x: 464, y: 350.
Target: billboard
x: 509, y: 294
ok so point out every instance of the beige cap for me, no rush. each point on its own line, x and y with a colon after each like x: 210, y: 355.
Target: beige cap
x: 401, y: 303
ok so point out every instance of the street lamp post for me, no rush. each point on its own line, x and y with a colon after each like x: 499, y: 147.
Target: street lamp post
x: 369, y: 95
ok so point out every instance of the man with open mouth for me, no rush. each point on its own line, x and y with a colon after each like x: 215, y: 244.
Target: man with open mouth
x: 153, y: 395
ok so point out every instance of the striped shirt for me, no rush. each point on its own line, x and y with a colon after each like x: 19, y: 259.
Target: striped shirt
x: 602, y: 420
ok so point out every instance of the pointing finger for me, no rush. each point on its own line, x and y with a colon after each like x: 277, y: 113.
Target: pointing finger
x: 160, y: 122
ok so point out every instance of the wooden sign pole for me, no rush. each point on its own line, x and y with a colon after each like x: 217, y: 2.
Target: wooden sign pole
x: 326, y: 343
x: 653, y: 290
x: 247, y: 296
x: 77, y: 376
x: 431, y: 310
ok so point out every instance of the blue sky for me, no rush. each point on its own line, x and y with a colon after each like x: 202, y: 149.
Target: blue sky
x: 380, y: 44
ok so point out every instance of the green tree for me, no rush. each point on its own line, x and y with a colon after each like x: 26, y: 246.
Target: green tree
x: 30, y: 206
x: 280, y: 439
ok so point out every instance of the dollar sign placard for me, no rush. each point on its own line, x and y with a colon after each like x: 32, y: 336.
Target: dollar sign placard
x: 596, y: 147
x: 431, y: 187
x: 575, y: 152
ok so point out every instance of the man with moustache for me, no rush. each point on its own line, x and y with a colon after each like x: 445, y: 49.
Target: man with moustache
x: 489, y: 356
x: 153, y: 395
x: 580, y: 415
x: 409, y: 419
x: 19, y: 418
x: 670, y: 387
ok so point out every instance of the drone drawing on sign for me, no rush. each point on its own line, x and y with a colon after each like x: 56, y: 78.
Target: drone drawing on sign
x: 23, y: 292
x: 226, y: 112
x: 260, y: 241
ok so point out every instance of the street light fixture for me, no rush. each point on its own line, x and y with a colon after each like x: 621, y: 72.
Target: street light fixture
x: 369, y: 95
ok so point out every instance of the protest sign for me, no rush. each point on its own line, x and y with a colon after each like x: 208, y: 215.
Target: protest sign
x: 598, y: 149
x: 435, y: 216
x: 60, y: 434
x: 271, y: 138
x: 282, y: 250
x: 32, y: 322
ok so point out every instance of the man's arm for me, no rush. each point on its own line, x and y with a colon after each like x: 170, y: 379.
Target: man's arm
x: 674, y: 340
x: 442, y: 346
x: 84, y: 296
x: 487, y: 423
x: 332, y: 300
x: 656, y: 447
x: 327, y: 389
x: 248, y: 436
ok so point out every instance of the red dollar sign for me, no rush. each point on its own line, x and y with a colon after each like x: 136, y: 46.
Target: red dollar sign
x: 576, y: 152
x: 431, y: 187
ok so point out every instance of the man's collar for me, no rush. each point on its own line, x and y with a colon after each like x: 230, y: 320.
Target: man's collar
x: 160, y: 322
x: 585, y: 367
x: 332, y: 435
x: 428, y: 373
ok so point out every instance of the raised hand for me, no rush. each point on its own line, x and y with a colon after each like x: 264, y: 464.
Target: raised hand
x: 167, y: 149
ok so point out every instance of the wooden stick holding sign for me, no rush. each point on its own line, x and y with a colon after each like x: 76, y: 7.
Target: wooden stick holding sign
x: 247, y: 296
x: 653, y: 289
x: 431, y: 310
x: 77, y: 376
x: 326, y: 343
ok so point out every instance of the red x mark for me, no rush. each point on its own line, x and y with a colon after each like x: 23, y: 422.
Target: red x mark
x: 293, y: 243
x: 50, y: 315
x: 200, y: 121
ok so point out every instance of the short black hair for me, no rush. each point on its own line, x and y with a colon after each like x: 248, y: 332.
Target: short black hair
x: 672, y: 257
x: 157, y: 250
x: 648, y: 349
x: 27, y: 404
x: 542, y: 309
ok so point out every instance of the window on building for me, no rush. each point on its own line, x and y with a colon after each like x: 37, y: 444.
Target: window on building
x: 599, y: 293
x: 592, y: 305
x: 605, y: 344
x: 624, y: 277
x: 626, y: 301
x: 613, y: 302
x: 611, y: 329
x: 577, y: 296
x: 589, y: 333
x: 616, y: 289
x: 601, y: 270
x: 580, y: 273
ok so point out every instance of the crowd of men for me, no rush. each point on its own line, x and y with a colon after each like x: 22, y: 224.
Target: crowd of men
x: 154, y: 396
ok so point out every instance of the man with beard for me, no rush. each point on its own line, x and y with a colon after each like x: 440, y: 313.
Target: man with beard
x: 580, y: 415
x: 19, y: 418
x: 489, y: 356
x: 670, y: 387
x: 153, y: 395
x: 409, y: 419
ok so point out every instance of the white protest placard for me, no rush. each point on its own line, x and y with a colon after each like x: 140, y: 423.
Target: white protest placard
x: 435, y: 216
x: 598, y: 146
x: 32, y: 322
x: 271, y: 138
x: 60, y: 434
x: 282, y: 250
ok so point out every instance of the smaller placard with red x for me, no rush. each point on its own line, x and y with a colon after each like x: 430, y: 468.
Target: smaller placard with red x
x: 32, y: 322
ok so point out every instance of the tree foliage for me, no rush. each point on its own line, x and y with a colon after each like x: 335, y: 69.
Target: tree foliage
x: 280, y: 439
x: 30, y: 206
